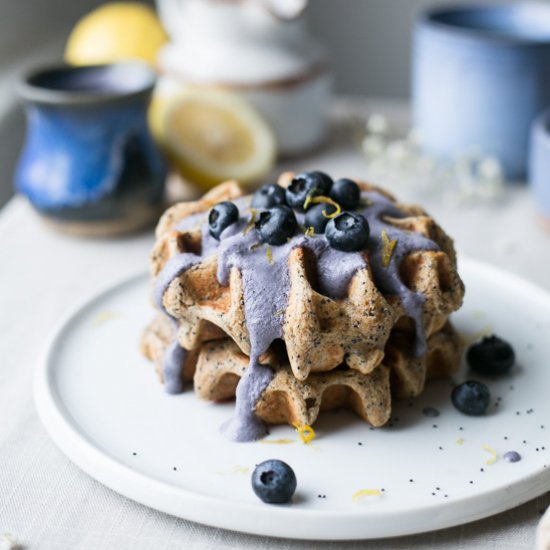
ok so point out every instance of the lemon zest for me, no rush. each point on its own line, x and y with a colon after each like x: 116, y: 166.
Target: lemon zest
x: 235, y: 469
x: 494, y: 456
x: 104, y: 316
x: 365, y: 493
x: 388, y: 247
x: 460, y: 441
x: 255, y: 246
x: 252, y: 221
x: 279, y: 312
x: 323, y: 200
x: 309, y: 232
x: 281, y: 441
x: 269, y: 254
x: 306, y: 433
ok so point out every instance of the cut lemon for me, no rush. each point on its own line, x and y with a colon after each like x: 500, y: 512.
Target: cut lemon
x: 114, y: 32
x: 213, y: 135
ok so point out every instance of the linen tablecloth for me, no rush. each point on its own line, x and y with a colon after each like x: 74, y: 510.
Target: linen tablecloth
x: 47, y: 503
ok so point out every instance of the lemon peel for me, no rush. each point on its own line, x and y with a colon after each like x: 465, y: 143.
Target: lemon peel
x: 388, y: 248
x: 269, y: 254
x: 252, y: 221
x: 323, y: 200
x: 460, y: 441
x: 358, y: 495
x: 104, y: 316
x: 494, y: 454
x: 281, y: 441
x: 235, y: 469
x: 305, y: 432
x: 116, y: 31
x: 309, y: 232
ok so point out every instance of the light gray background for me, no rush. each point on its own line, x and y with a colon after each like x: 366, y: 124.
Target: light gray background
x: 369, y: 41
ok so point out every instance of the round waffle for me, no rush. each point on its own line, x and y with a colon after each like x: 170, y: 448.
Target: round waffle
x: 217, y: 366
x: 329, y: 308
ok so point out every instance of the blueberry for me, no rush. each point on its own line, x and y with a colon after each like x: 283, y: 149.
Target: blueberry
x: 268, y: 196
x: 307, y: 184
x: 471, y: 398
x: 348, y: 232
x: 274, y: 481
x: 316, y: 219
x: 491, y: 356
x: 346, y: 193
x: 222, y: 216
x: 277, y: 225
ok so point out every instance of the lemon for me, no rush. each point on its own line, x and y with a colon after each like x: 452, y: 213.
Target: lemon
x: 114, y: 32
x: 213, y: 135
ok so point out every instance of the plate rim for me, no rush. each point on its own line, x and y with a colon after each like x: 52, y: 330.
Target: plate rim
x: 273, y: 521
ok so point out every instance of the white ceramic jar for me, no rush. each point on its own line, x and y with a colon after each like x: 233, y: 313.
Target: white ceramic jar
x: 258, y: 48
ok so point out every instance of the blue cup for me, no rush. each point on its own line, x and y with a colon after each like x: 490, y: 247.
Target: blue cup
x: 480, y: 77
x: 89, y: 164
x: 539, y: 163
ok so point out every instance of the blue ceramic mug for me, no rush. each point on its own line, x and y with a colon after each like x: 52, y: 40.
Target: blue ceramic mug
x: 89, y: 164
x: 539, y: 163
x: 480, y: 76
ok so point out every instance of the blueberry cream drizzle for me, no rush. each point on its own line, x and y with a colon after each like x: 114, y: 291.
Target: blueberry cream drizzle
x: 266, y: 287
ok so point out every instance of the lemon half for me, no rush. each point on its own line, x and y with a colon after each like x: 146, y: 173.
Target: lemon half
x: 114, y: 32
x: 213, y: 135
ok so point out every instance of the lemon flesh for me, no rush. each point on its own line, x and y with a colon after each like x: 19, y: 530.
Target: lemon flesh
x: 213, y: 135
x: 115, y: 32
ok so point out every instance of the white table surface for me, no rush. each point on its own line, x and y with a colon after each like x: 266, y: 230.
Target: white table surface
x: 46, y: 502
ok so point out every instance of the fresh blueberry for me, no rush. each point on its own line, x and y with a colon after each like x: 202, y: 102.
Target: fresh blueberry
x: 268, y: 196
x: 277, y: 225
x: 274, y: 481
x: 346, y: 193
x: 471, y: 398
x: 348, y: 232
x: 222, y: 216
x: 307, y: 184
x: 316, y: 219
x: 491, y: 356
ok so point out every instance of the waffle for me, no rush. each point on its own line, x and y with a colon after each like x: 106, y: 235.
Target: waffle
x: 219, y: 365
x: 301, y: 327
x: 355, y: 327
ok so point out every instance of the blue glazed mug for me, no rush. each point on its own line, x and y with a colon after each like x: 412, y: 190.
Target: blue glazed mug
x: 480, y: 77
x: 539, y: 163
x: 89, y: 164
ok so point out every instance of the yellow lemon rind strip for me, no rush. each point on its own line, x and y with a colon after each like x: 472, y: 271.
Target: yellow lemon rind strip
x: 323, y: 200
x: 269, y: 254
x: 494, y: 454
x: 251, y: 222
x: 306, y: 433
x: 388, y: 248
x: 358, y: 495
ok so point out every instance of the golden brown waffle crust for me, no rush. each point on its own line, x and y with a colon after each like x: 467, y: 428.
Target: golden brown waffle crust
x: 355, y: 328
x: 218, y: 365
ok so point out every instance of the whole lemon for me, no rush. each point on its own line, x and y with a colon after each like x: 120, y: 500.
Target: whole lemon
x: 114, y: 32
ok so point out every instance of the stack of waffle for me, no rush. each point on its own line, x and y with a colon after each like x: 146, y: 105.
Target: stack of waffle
x: 354, y: 352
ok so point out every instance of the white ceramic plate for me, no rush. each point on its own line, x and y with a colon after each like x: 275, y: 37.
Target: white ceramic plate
x: 102, y: 405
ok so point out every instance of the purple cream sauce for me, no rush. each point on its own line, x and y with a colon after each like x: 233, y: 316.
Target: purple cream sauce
x: 266, y: 287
